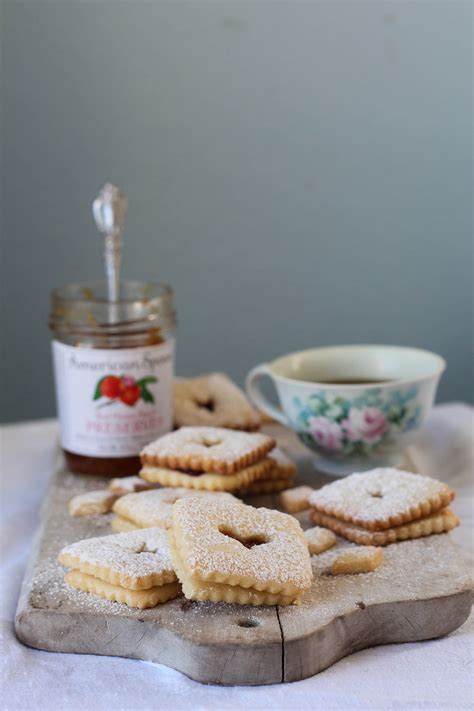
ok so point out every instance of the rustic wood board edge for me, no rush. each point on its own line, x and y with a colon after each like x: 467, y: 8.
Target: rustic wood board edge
x: 218, y: 663
x: 372, y: 626
x: 261, y: 664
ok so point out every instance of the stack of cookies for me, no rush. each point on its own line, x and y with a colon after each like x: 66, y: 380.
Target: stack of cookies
x: 384, y: 506
x: 217, y: 459
x: 133, y: 568
x: 227, y: 551
x: 280, y: 477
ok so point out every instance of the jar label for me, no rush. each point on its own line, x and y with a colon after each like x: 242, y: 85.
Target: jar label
x: 112, y: 402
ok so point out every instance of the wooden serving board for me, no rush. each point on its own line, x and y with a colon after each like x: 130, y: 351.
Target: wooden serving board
x: 422, y: 591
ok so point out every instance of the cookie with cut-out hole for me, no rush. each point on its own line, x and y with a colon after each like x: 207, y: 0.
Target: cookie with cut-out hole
x: 138, y: 560
x: 128, y: 485
x: 207, y: 449
x: 149, y: 509
x: 212, y: 400
x: 207, y: 481
x: 439, y: 522
x: 92, y: 503
x: 381, y: 498
x: 228, y: 551
x: 357, y: 560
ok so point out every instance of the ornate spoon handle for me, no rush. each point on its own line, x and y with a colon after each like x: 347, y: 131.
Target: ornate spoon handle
x: 109, y: 209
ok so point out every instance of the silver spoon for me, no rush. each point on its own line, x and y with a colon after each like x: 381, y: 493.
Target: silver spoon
x: 109, y: 209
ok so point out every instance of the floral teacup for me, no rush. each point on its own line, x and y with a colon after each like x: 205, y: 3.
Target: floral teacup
x: 357, y: 407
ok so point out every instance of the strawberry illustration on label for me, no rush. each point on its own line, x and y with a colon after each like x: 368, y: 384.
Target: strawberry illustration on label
x: 109, y: 387
x: 124, y: 389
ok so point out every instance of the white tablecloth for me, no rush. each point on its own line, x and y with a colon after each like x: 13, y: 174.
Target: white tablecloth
x: 423, y: 675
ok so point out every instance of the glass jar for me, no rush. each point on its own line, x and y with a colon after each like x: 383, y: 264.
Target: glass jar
x: 113, y: 368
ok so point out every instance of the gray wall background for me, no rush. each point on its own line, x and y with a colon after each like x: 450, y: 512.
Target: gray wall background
x: 300, y: 172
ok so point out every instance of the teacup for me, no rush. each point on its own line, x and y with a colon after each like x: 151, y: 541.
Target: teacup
x: 357, y: 407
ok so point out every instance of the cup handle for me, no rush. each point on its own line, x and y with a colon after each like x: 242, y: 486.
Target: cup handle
x: 256, y: 396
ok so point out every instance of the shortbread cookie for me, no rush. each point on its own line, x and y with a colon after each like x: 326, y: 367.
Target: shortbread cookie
x: 276, y: 473
x: 234, y: 545
x: 128, y: 485
x: 148, y: 509
x: 141, y: 599
x: 382, y: 498
x: 278, y: 478
x: 207, y: 449
x: 138, y: 560
x: 92, y: 503
x: 265, y: 486
x: 357, y: 560
x: 439, y: 522
x: 284, y: 467
x: 212, y: 400
x: 206, y: 480
x: 297, y: 499
x: 319, y: 539
x: 195, y: 589
x: 122, y: 525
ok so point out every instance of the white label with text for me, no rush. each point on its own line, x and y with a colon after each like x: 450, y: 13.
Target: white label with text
x: 111, y: 403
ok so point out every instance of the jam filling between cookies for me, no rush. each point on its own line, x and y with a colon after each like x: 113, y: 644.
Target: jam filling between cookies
x: 191, y: 472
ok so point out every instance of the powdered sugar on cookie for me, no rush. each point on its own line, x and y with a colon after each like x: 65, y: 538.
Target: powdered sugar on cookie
x: 439, y: 522
x: 209, y: 449
x: 153, y: 508
x: 135, y: 560
x: 239, y: 545
x: 381, y: 498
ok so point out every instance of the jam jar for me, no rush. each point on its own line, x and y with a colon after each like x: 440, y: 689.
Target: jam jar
x: 113, y: 369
